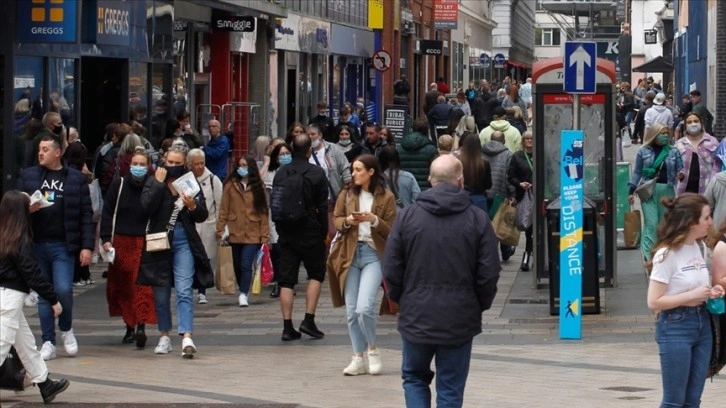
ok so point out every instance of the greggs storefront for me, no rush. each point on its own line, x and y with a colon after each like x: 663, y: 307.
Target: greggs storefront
x: 92, y: 61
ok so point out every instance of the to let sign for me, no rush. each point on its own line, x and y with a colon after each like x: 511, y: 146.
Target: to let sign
x: 446, y: 14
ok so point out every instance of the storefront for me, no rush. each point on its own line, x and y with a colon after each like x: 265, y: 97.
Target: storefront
x: 302, y: 45
x: 350, y: 69
x: 94, y: 62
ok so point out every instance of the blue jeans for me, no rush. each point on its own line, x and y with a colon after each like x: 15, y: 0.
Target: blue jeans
x: 183, y: 267
x: 452, y: 369
x: 684, y: 343
x: 243, y: 255
x: 58, y: 266
x: 479, y: 200
x: 361, y: 288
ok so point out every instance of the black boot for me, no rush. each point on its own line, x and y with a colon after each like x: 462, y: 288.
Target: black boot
x: 525, y: 262
x: 49, y: 389
x: 129, y: 336
x: 140, y: 335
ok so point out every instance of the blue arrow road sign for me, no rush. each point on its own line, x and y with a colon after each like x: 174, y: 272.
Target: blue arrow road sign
x: 580, y: 67
x: 499, y: 59
x: 484, y: 59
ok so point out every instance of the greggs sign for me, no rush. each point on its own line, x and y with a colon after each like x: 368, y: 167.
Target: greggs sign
x: 112, y: 22
x: 47, y: 21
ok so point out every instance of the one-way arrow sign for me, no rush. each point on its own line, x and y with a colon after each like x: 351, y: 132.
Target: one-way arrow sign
x: 580, y: 67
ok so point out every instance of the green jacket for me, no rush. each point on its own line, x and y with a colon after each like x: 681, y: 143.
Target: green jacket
x: 417, y: 152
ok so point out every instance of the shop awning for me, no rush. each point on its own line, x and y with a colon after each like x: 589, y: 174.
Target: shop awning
x: 517, y: 64
x: 657, y: 64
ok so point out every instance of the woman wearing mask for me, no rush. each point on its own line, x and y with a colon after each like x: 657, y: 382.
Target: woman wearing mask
x: 477, y: 174
x: 350, y: 148
x: 679, y: 285
x: 123, y: 228
x: 19, y: 273
x: 656, y: 158
x: 402, y: 184
x: 185, y: 263
x: 520, y: 176
x: 364, y: 214
x: 698, y: 152
x: 281, y: 156
x: 244, y: 212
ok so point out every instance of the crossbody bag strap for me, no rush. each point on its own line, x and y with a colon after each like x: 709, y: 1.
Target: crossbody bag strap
x: 115, y: 210
x: 327, y: 179
x: 214, y: 201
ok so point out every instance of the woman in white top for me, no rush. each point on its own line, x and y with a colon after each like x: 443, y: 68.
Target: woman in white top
x: 364, y: 214
x: 679, y: 285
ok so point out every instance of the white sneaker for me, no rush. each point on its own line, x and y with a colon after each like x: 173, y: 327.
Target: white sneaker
x: 357, y: 366
x: 374, y: 362
x: 47, y: 351
x: 188, y: 348
x: 69, y: 342
x: 31, y: 299
x: 202, y: 299
x: 164, y: 346
x: 243, y: 300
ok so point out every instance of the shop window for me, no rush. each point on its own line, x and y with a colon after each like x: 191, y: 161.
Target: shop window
x: 159, y: 25
x: 29, y: 104
x: 546, y: 37
x: 160, y: 80
x: 139, y: 96
x: 62, y: 89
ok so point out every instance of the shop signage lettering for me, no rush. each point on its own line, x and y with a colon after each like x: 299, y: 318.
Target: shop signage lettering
x: 112, y: 23
x: 239, y: 24
x: 285, y: 30
x: 46, y: 21
x: 446, y: 14
x: 431, y: 47
x: 395, y: 117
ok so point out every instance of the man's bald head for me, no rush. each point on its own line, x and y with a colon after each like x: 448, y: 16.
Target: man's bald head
x: 498, y: 136
x: 446, y: 169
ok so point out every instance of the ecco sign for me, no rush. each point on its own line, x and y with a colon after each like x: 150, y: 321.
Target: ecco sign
x: 431, y: 47
x: 239, y: 24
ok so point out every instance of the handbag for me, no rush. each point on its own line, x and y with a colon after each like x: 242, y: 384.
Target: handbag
x: 110, y: 255
x: 525, y: 211
x: 505, y: 225
x: 12, y: 372
x: 645, y: 188
x: 159, y: 241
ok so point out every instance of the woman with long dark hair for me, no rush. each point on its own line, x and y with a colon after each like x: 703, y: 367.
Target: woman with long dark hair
x: 402, y: 184
x: 295, y: 129
x: 477, y: 174
x: 245, y: 213
x: 679, y: 285
x: 281, y: 155
x: 364, y: 214
x: 19, y: 273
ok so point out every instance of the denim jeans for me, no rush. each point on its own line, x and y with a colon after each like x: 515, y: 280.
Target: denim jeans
x: 479, y: 200
x: 361, y: 288
x: 183, y: 267
x: 684, y: 343
x: 452, y: 369
x: 243, y: 255
x: 58, y: 266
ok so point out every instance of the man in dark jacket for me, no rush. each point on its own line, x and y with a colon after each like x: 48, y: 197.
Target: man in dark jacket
x: 216, y: 151
x: 639, y: 130
x: 373, y: 142
x: 303, y: 240
x: 439, y: 116
x: 401, y: 89
x: 61, y: 231
x: 325, y: 123
x: 417, y: 152
x: 441, y: 294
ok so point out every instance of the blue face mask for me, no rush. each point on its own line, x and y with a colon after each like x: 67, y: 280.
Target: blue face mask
x: 138, y: 172
x: 285, y: 159
x: 242, y: 171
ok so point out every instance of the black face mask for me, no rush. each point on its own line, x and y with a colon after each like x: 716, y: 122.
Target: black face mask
x: 175, y: 171
x: 58, y: 129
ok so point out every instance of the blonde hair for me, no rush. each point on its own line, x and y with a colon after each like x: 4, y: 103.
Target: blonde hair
x: 446, y: 143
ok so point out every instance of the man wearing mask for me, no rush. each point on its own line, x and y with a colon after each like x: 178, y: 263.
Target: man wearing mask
x: 217, y: 150
x: 325, y: 123
x: 61, y: 232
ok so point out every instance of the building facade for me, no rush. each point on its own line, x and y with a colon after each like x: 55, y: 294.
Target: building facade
x: 471, y: 43
x: 512, y: 38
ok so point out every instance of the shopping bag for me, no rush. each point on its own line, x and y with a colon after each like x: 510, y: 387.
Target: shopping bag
x: 224, y: 279
x: 267, y: 273
x: 525, y: 211
x: 505, y: 225
x: 625, y: 138
x: 12, y: 372
x: 631, y: 229
x: 256, y: 286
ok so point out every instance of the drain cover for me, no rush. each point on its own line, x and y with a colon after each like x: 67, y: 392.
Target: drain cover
x: 631, y: 398
x: 626, y: 389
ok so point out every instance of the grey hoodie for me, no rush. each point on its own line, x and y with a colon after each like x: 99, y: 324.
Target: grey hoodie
x: 716, y: 195
x: 498, y: 156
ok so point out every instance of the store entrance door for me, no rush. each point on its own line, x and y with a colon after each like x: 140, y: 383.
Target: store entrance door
x: 104, y: 81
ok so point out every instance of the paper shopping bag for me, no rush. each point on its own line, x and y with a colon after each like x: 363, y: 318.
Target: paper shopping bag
x: 631, y: 229
x: 225, y: 281
x: 505, y: 224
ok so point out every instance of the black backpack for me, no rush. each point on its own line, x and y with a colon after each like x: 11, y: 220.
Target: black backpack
x: 288, y: 202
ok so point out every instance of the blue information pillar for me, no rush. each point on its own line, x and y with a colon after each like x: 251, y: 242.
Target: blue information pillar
x: 571, y: 256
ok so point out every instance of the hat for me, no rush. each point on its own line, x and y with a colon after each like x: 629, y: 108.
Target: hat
x: 499, y: 112
x: 659, y: 99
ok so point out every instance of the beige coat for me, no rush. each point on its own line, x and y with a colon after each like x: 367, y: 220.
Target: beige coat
x: 384, y: 206
x: 246, y: 226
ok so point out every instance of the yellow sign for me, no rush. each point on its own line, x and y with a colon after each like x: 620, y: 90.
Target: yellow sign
x: 375, y: 14
x: 40, y: 12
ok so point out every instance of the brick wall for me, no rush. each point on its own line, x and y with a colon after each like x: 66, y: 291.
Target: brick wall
x: 720, y: 114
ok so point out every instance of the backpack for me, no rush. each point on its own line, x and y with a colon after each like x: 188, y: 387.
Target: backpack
x: 288, y: 203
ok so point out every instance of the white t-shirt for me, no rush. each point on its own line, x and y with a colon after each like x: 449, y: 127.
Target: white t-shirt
x: 682, y: 270
x: 365, y: 203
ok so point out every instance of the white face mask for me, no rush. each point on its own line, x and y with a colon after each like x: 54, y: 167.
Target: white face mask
x: 316, y: 143
x: 694, y: 128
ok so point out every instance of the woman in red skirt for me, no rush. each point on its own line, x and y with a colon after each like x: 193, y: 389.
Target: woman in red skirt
x: 123, y: 227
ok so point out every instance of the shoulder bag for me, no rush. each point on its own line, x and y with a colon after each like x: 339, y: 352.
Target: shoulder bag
x: 645, y: 188
x: 159, y: 241
x: 109, y: 255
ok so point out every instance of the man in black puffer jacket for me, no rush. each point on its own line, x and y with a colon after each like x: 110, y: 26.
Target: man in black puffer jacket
x: 441, y: 294
x: 61, y: 232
